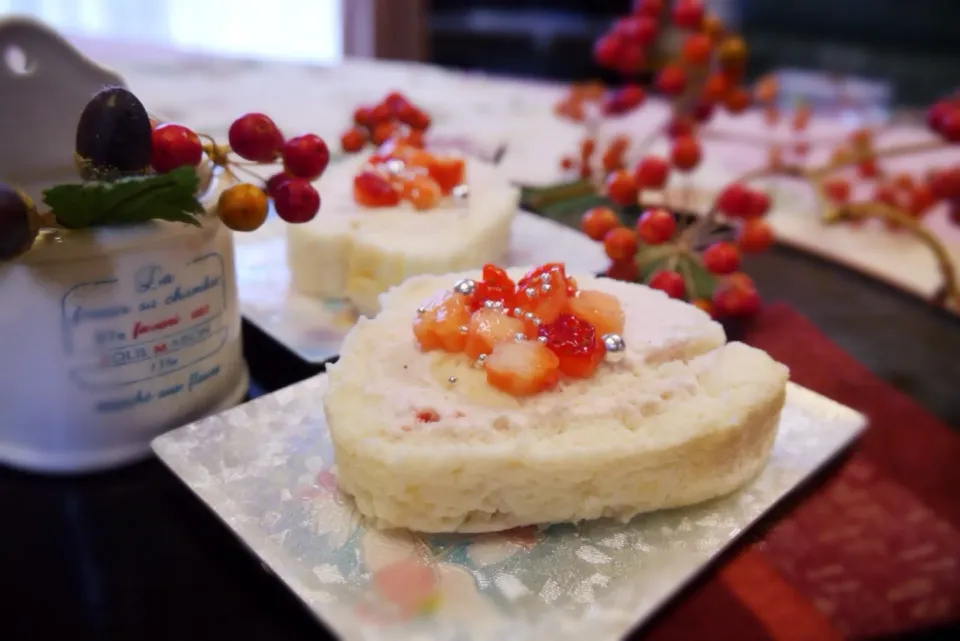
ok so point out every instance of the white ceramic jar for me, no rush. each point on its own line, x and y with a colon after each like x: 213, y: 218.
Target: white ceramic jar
x: 108, y: 337
x: 111, y: 336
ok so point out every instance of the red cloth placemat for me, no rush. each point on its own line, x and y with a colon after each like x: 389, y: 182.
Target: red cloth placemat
x: 872, y: 552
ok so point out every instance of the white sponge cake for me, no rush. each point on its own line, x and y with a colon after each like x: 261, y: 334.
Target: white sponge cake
x: 357, y: 253
x: 423, y: 441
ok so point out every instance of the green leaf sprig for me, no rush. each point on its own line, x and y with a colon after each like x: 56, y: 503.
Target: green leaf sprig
x: 170, y: 196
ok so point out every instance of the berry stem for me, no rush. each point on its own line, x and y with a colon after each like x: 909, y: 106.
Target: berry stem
x: 950, y: 291
x: 890, y: 152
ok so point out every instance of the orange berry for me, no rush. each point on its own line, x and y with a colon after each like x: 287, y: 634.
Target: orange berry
x: 362, y: 116
x: 656, y: 226
x: 243, y: 207
x: 621, y: 188
x: 620, y: 243
x: 755, y: 236
x: 704, y: 304
x: 766, y: 89
x: 712, y: 27
x: 567, y: 163
x: 732, y: 52
x: 598, y: 221
x: 613, y: 159
x: 685, y: 153
x: 721, y: 258
x: 716, y: 87
x: 353, y: 139
x: 696, y: 49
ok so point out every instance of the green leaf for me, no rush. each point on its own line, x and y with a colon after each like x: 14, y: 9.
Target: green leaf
x: 700, y: 282
x: 170, y: 196
x: 652, y: 258
x: 539, y: 198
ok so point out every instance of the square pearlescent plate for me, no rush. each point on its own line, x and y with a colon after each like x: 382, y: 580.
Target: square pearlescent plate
x: 313, y: 328
x: 266, y: 469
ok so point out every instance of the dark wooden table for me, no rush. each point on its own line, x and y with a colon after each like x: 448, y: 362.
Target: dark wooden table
x: 132, y: 555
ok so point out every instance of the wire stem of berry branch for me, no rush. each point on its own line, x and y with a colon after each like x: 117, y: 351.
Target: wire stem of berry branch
x: 890, y: 152
x: 951, y: 291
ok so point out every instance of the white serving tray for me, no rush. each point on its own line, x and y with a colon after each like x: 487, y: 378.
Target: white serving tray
x: 313, y: 329
x: 264, y: 468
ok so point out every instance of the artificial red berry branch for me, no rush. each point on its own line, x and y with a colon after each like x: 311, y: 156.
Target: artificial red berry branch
x: 705, y: 75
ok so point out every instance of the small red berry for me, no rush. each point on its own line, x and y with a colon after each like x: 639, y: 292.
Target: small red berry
x: 702, y: 111
x: 631, y: 60
x: 672, y: 80
x: 696, y: 49
x: 868, y: 168
x: 950, y: 125
x: 353, y: 139
x: 174, y: 146
x: 651, y: 172
x: 757, y: 204
x: 837, y: 190
x: 621, y: 188
x: 296, y: 201
x: 620, y: 243
x: 733, y: 201
x: 598, y: 221
x: 607, y: 49
x: 737, y: 100
x: 755, y: 236
x: 680, y: 125
x: 688, y: 14
x: 648, y: 8
x: 639, y: 30
x: 656, y: 226
x: 624, y: 99
x: 305, y: 156
x: 669, y: 282
x: 945, y: 184
x: 255, y: 137
x: 685, y: 153
x: 736, y: 297
x: 936, y: 112
x: 625, y: 270
x: 275, y: 181
x: 721, y: 258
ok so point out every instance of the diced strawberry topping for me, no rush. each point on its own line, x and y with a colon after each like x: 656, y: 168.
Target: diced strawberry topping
x: 448, y: 171
x: 372, y: 189
x: 421, y: 191
x: 600, y: 309
x: 544, y: 299
x: 489, y: 327
x: 576, y: 344
x: 495, y: 286
x: 438, y: 326
x: 522, y: 368
x: 557, y: 274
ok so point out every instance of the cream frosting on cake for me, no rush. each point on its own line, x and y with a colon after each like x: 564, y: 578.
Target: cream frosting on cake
x: 357, y: 253
x: 680, y: 418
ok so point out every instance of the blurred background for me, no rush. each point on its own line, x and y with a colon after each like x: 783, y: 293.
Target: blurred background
x: 906, y: 50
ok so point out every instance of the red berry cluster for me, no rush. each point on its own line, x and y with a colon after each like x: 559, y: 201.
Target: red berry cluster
x: 706, y: 49
x: 576, y: 105
x: 393, y: 118
x: 943, y: 118
x: 256, y: 138
x: 733, y: 291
